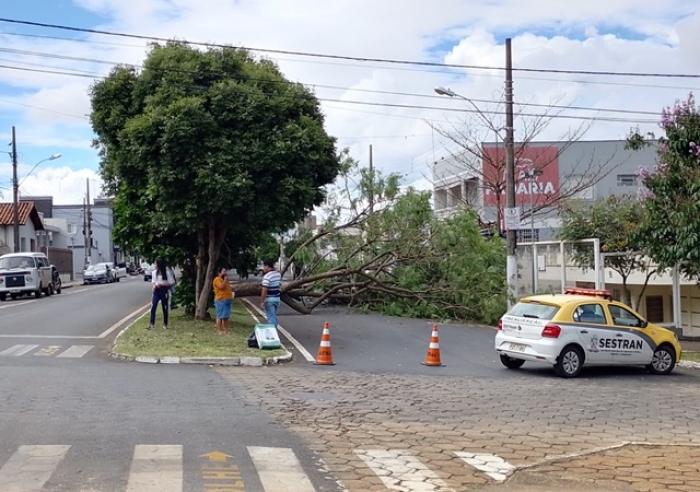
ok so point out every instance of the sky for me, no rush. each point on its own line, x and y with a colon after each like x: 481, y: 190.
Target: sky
x: 364, y: 102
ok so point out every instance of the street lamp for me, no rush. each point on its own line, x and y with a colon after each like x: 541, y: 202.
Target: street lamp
x: 16, y: 185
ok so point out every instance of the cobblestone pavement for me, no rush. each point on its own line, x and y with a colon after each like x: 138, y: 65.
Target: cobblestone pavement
x: 433, y: 433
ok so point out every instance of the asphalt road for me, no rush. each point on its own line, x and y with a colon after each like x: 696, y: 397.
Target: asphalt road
x: 387, y: 345
x: 88, y: 423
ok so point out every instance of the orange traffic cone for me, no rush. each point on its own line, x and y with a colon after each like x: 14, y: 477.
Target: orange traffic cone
x: 325, y: 355
x: 433, y: 357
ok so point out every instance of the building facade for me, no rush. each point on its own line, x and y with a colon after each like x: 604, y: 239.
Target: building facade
x: 546, y: 173
x: 30, y: 222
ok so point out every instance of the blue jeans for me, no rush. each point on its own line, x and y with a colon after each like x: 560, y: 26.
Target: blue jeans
x: 160, y: 295
x: 271, y: 305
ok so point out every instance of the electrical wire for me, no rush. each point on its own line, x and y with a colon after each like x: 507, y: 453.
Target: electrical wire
x: 322, y: 86
x: 369, y: 103
x: 347, y: 57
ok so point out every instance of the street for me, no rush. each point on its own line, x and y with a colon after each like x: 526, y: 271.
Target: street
x: 90, y: 423
x: 75, y: 420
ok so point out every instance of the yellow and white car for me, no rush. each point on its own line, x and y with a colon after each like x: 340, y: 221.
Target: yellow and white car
x: 583, y: 326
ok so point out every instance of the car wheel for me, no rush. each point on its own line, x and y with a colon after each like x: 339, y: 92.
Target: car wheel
x: 663, y: 361
x: 569, y: 363
x: 58, y: 287
x: 38, y: 293
x: 49, y: 290
x: 511, y: 363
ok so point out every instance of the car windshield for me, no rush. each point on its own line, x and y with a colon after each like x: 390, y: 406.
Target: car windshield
x: 94, y: 268
x: 534, y: 310
x: 11, y: 262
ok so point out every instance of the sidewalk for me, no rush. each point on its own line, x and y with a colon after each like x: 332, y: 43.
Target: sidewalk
x: 690, y: 346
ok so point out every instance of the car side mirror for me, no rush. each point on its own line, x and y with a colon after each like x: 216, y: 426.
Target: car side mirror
x: 644, y: 323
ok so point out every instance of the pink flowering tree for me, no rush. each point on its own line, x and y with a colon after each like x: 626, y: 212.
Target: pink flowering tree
x: 670, y: 191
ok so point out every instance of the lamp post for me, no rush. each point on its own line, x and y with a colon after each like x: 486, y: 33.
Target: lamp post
x: 15, y: 188
x: 511, y: 261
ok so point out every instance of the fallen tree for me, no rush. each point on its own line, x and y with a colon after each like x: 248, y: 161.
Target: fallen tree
x: 390, y: 254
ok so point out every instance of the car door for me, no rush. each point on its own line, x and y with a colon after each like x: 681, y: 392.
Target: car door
x: 628, y: 344
x: 592, y: 324
x: 44, y: 271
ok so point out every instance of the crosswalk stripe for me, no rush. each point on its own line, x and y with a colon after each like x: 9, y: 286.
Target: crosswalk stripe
x: 155, y: 468
x: 18, y: 350
x: 76, y: 351
x: 279, y: 470
x: 492, y: 465
x: 400, y: 470
x: 30, y: 467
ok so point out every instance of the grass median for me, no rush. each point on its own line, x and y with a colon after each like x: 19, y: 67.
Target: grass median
x: 691, y: 356
x: 187, y: 337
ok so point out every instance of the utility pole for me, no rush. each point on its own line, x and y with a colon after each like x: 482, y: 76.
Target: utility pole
x: 15, y: 193
x: 89, y: 220
x: 512, y: 262
x: 85, y: 241
x: 371, y: 174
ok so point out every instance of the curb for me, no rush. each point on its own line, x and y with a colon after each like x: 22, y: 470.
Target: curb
x: 210, y: 361
x: 689, y: 364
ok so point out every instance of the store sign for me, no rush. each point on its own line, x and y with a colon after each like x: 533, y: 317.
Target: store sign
x: 536, y: 175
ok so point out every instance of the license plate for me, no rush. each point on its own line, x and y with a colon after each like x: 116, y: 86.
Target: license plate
x: 516, y: 347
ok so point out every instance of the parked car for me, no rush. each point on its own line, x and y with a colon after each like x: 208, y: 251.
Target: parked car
x: 583, y: 326
x: 101, y: 273
x: 120, y: 271
x: 25, y: 273
x: 148, y: 274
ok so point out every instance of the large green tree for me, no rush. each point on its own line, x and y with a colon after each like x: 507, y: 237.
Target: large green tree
x: 204, y: 150
x: 671, y: 190
x: 614, y: 220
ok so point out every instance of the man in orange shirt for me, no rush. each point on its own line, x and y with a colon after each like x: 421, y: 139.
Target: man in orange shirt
x: 223, y: 299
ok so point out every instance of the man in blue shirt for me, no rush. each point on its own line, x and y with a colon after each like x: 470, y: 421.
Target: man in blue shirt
x: 271, y: 291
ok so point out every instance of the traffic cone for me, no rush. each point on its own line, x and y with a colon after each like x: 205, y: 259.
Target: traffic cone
x: 433, y: 357
x: 325, y: 355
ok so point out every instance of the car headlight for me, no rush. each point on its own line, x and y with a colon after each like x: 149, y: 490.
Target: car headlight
x: 29, y: 279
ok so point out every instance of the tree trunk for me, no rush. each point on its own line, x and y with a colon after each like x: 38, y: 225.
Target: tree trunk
x: 626, y: 294
x: 199, y: 262
x: 217, y: 233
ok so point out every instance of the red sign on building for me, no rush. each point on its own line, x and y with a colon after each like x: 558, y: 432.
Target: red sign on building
x: 536, y: 175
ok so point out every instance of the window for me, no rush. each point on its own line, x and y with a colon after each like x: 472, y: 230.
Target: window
x: 534, y: 310
x: 626, y: 180
x: 70, y: 228
x: 574, y: 187
x: 624, y: 317
x: 528, y: 235
x: 590, y: 313
x: 655, y: 309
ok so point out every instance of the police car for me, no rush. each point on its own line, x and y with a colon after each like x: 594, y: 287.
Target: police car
x: 583, y: 327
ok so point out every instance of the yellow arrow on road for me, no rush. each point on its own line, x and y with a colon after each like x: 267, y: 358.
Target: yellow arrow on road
x: 216, y: 456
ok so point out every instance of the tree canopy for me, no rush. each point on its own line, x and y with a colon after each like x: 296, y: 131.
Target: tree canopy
x: 208, y: 149
x: 671, y: 190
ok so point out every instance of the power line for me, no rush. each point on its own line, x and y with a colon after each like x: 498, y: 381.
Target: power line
x: 388, y: 67
x: 286, y: 82
x: 353, y: 58
x: 370, y: 103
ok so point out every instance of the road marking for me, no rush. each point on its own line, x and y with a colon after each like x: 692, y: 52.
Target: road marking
x: 16, y: 304
x: 492, y: 465
x: 155, y: 468
x: 18, y: 350
x: 48, y: 351
x: 122, y: 321
x: 279, y: 470
x: 30, y: 467
x: 219, y: 475
x: 57, y: 337
x: 286, y: 334
x: 76, y: 351
x: 400, y: 470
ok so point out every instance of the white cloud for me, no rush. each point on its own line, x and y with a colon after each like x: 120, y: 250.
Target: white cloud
x: 467, y: 32
x: 66, y: 185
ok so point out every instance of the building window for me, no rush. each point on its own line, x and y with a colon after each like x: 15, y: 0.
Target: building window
x: 528, y: 235
x: 626, y: 180
x: 440, y: 199
x: 574, y: 188
x: 69, y: 229
x: 655, y: 309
